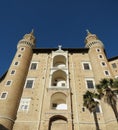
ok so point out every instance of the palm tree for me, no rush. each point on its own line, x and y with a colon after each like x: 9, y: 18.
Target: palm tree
x: 91, y: 105
x: 108, y: 88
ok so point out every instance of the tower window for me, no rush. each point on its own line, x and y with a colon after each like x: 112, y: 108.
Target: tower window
x: 22, y: 49
x: 16, y: 63
x: 33, y: 66
x: 8, y: 83
x: 114, y: 65
x: 106, y: 72
x: 12, y: 72
x: 3, y: 95
x: 29, y: 83
x: 100, y: 56
x: 19, y: 55
x: 103, y: 63
x: 98, y: 50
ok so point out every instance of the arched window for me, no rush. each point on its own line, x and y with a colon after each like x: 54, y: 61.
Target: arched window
x: 58, y: 101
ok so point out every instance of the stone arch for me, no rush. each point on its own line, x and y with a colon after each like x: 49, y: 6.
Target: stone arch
x: 58, y: 122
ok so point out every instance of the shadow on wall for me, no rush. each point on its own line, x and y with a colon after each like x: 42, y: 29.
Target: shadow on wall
x: 2, y: 127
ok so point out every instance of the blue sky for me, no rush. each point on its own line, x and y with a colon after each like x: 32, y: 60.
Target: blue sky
x: 56, y: 22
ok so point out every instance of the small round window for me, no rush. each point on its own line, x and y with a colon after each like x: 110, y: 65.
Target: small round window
x: 22, y: 48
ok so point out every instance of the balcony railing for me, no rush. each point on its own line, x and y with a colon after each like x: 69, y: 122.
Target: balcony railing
x: 56, y: 68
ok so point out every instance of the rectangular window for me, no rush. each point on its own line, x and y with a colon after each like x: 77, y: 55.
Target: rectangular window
x: 86, y: 66
x: 114, y: 65
x: 33, y: 66
x: 24, y: 104
x: 3, y: 95
x: 90, y: 83
x: 8, y: 83
x: 29, y: 84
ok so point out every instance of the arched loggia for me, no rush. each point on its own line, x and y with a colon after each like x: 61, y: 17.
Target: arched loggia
x: 58, y: 101
x: 59, y: 61
x: 59, y: 79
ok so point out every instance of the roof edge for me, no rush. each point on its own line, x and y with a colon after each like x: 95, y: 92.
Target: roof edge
x: 113, y: 58
x: 71, y: 50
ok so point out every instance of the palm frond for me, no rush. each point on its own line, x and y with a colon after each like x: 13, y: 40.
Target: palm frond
x: 115, y: 83
x: 89, y: 101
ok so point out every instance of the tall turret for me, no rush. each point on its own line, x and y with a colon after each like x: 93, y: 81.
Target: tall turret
x: 97, y: 56
x: 12, y: 85
x: 92, y: 40
x: 28, y: 40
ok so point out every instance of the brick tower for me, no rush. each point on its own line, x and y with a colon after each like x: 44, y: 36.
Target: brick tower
x: 12, y: 86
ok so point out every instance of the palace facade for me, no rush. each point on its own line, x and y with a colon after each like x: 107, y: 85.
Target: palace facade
x: 43, y: 88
